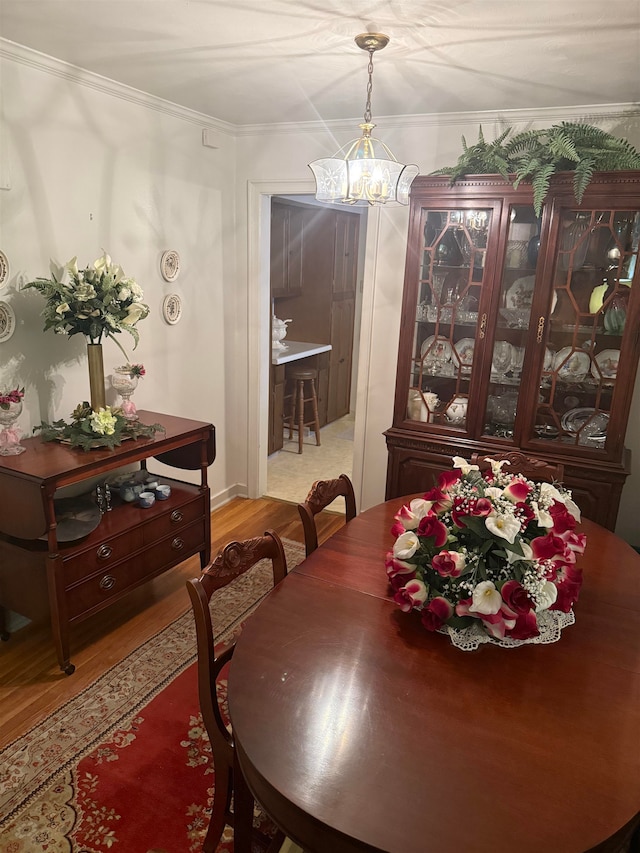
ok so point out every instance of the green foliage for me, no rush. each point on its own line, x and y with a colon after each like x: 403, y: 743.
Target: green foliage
x: 88, y: 429
x: 536, y: 155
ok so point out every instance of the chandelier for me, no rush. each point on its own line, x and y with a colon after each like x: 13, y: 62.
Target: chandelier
x: 364, y: 171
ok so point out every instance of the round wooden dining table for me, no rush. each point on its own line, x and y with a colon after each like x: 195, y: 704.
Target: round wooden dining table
x: 358, y: 730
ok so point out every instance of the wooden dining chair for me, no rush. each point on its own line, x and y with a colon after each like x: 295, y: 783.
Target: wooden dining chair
x: 323, y: 493
x: 534, y: 469
x: 235, y: 559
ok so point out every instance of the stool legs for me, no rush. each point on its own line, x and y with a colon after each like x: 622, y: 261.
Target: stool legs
x: 314, y: 405
x: 300, y: 410
x: 296, y: 415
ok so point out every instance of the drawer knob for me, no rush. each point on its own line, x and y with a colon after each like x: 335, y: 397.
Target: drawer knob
x: 177, y: 544
x: 107, y: 582
x: 104, y: 552
x: 176, y: 516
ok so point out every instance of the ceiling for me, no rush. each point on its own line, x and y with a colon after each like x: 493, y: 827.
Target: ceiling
x: 270, y: 61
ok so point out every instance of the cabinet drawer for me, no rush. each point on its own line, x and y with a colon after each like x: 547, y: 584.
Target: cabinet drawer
x: 172, y: 521
x: 106, y: 554
x: 116, y: 579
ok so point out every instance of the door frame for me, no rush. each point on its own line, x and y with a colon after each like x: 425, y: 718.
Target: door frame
x: 259, y: 194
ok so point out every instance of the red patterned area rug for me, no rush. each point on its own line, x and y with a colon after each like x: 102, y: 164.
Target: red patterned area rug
x: 126, y: 767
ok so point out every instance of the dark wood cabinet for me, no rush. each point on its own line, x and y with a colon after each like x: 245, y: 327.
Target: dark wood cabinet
x: 519, y: 332
x: 68, y: 581
x: 287, y: 241
x: 339, y: 385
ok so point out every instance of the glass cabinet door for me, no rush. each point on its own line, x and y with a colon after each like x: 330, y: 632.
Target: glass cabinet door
x: 593, y: 268
x: 450, y: 290
x: 516, y: 289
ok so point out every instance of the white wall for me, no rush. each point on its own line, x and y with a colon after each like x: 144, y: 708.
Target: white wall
x: 92, y: 165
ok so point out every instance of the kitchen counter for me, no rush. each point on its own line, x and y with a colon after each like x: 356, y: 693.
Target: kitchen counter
x: 296, y: 350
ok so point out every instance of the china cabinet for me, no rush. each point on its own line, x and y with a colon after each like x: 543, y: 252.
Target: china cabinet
x: 45, y: 574
x: 518, y: 332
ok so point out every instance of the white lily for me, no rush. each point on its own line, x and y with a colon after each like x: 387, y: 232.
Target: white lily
x: 406, y: 545
x: 496, y: 465
x: 503, y: 525
x: 463, y: 465
x: 486, y: 598
x: 546, y: 596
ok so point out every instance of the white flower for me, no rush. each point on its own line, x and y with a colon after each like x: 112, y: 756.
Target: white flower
x: 527, y: 554
x: 496, y: 465
x: 406, y: 545
x: 72, y: 266
x: 123, y: 294
x: 542, y: 516
x: 411, y: 515
x: 504, y: 525
x: 546, y: 596
x: 103, y: 421
x: 493, y: 492
x: 486, y: 598
x: 63, y: 308
x: 463, y: 465
x: 103, y: 264
x: 136, y: 311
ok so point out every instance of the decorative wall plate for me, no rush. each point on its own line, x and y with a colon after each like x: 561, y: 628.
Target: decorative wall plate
x: 170, y: 265
x: 172, y: 308
x: 7, y: 321
x: 4, y: 269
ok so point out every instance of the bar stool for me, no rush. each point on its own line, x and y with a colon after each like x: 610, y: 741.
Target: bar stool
x: 299, y: 377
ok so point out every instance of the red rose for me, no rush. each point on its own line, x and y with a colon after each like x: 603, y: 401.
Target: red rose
x: 465, y: 507
x: 436, y: 613
x: 448, y: 478
x: 562, y: 518
x: 546, y: 547
x: 516, y: 597
x: 526, y: 627
x: 431, y: 526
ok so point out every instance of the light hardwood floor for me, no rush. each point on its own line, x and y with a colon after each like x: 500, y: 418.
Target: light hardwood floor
x: 31, y: 683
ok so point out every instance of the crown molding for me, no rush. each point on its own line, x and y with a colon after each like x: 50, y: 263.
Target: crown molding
x: 592, y: 113
x: 75, y: 74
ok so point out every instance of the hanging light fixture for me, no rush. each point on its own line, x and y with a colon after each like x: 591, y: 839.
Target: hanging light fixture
x: 364, y: 171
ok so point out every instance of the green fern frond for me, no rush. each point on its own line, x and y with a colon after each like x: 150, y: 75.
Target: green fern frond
x: 582, y: 177
x: 465, y: 147
x: 561, y: 147
x: 480, y: 136
x: 540, y: 184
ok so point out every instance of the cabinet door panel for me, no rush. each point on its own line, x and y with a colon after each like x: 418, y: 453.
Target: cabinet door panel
x: 342, y: 318
x: 451, y: 298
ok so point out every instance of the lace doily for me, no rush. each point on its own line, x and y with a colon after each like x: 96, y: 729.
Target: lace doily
x: 550, y: 623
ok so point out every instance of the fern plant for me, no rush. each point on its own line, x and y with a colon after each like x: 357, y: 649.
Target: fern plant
x: 535, y: 155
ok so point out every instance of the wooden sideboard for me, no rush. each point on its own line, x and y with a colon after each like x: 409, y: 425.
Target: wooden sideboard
x: 67, y: 582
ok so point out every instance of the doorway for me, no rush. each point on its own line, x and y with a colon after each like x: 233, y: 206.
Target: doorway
x: 287, y: 475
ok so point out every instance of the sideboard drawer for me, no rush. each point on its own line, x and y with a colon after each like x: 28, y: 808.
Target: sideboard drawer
x: 178, y: 546
x: 104, y: 555
x: 172, y: 521
x: 116, y: 579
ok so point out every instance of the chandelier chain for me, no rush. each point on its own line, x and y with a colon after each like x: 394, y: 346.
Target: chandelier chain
x: 367, y: 108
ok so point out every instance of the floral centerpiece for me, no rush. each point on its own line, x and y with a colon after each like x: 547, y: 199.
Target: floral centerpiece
x: 10, y: 411
x: 107, y: 427
x: 488, y: 557
x: 98, y: 302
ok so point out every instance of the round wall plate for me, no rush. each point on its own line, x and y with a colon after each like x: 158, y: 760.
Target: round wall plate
x: 7, y: 321
x: 170, y: 265
x: 4, y: 269
x: 172, y: 308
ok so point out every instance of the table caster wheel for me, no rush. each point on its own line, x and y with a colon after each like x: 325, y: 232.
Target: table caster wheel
x: 69, y: 669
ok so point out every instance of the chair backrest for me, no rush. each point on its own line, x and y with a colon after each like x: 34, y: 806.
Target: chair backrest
x: 323, y: 493
x: 534, y: 469
x: 235, y: 559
